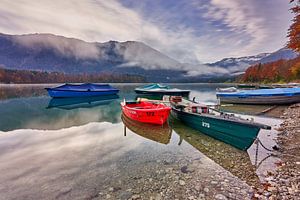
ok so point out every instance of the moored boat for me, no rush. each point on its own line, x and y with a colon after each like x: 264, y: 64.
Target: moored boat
x: 81, y: 102
x: 158, y: 89
x: 81, y: 90
x: 160, y: 134
x: 261, y: 96
x: 228, y: 128
x: 146, y: 112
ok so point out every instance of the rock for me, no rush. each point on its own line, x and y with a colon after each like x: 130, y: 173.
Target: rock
x: 297, y: 163
x: 135, y: 196
x: 181, y: 182
x: 220, y: 197
x: 214, y: 182
x: 272, y: 189
x: 125, y: 195
x: 206, y: 190
x: 111, y: 189
x: 187, y: 169
x: 201, y: 196
x: 158, y: 197
x: 197, y: 187
x: 108, y: 196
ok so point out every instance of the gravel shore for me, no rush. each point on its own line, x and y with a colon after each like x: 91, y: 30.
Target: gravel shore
x: 284, y: 183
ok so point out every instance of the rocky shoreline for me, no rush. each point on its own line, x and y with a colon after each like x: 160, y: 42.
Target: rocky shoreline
x: 284, y: 183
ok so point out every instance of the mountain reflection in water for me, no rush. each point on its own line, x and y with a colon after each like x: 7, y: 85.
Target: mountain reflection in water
x: 31, y: 112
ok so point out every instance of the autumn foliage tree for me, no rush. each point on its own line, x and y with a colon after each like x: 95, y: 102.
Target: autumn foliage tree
x: 294, y: 30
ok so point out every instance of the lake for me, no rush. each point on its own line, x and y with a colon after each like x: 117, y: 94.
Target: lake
x: 83, y: 149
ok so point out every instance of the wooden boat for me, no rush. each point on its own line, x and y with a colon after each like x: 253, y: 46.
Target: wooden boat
x: 158, y: 89
x: 81, y: 90
x: 228, y: 128
x: 261, y: 96
x: 146, y: 112
x: 160, y: 134
x: 232, y: 159
x: 81, y: 102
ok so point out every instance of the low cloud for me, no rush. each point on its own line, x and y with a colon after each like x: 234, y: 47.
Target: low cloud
x: 66, y: 47
x: 192, y: 31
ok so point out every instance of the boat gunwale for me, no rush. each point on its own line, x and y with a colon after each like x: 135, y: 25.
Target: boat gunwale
x: 146, y: 109
x: 61, y: 87
x: 72, y: 90
x: 246, y: 123
x: 163, y: 90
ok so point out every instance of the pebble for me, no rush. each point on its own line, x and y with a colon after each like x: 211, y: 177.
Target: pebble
x: 206, y: 190
x: 220, y: 197
x: 135, y: 196
x: 125, y: 195
x: 181, y: 182
x: 214, y: 182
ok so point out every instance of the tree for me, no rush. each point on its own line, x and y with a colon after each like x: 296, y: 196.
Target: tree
x: 294, y: 30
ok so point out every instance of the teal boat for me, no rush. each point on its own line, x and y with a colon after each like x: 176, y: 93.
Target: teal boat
x: 159, y: 89
x: 231, y: 129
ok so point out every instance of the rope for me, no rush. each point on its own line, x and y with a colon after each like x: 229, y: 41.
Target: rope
x: 258, y: 141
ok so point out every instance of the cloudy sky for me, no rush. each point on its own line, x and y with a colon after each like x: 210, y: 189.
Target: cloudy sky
x: 187, y: 30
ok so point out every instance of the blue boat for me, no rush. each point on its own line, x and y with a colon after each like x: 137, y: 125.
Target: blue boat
x: 261, y: 96
x: 81, y: 102
x: 81, y: 90
x: 158, y: 89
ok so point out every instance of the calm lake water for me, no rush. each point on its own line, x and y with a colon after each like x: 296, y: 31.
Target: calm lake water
x: 82, y: 149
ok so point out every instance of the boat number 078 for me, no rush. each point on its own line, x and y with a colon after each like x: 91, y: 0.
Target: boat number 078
x: 205, y: 124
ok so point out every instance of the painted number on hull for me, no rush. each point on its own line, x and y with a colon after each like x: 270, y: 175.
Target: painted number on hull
x: 150, y: 113
x: 205, y: 124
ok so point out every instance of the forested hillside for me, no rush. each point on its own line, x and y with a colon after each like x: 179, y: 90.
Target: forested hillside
x: 25, y: 76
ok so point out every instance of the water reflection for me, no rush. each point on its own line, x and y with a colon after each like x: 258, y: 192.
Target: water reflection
x: 76, y: 153
x: 31, y: 113
x: 160, y: 134
x: 232, y: 159
x: 81, y: 102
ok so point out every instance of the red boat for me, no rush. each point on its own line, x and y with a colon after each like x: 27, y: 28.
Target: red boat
x: 146, y: 112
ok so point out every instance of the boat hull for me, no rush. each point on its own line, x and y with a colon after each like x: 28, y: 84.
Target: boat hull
x: 68, y: 93
x: 261, y: 100
x: 261, y: 96
x: 161, y: 93
x: 236, y: 134
x: 152, y: 116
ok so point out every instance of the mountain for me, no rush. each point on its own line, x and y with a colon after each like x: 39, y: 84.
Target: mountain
x: 239, y: 65
x: 52, y: 53
x: 284, y: 53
